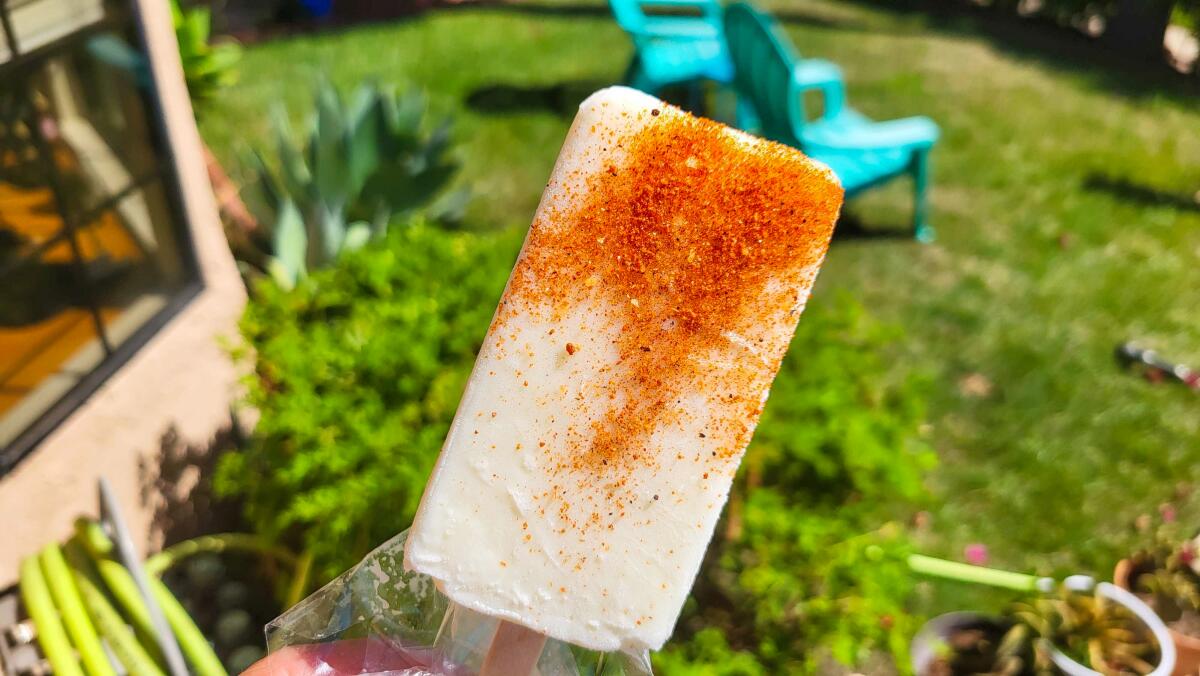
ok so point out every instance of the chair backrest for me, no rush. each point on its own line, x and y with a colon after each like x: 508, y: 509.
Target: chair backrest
x: 629, y: 15
x: 763, y: 61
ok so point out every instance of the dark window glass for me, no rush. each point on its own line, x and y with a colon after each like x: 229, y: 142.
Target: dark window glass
x: 92, y: 244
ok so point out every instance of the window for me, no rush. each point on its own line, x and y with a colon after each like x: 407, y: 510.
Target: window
x: 94, y: 255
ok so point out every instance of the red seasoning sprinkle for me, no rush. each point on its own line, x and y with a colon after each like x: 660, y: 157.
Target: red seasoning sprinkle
x: 691, y: 237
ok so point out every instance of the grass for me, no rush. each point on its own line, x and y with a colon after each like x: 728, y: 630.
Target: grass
x: 1063, y: 201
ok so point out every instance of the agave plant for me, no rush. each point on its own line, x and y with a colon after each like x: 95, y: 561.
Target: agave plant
x: 362, y: 162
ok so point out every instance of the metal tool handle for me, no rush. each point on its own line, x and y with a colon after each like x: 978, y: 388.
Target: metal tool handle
x: 112, y: 522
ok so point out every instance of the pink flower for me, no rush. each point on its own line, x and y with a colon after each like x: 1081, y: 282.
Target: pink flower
x: 1167, y: 511
x: 976, y: 554
x: 1187, y: 554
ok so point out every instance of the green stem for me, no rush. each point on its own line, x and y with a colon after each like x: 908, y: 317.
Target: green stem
x: 199, y: 653
x: 107, y: 620
x: 303, y: 570
x: 963, y: 572
x: 191, y: 640
x: 79, y: 626
x: 222, y: 542
x: 122, y: 587
x: 50, y: 633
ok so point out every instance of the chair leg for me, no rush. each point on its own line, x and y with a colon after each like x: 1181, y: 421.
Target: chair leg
x: 696, y: 103
x: 635, y: 76
x: 747, y: 116
x: 922, y: 230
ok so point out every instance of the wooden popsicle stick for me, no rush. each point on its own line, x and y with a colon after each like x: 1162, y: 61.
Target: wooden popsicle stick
x: 514, y: 651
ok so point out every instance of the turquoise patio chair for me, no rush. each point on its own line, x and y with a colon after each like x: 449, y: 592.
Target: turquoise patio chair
x: 673, y: 49
x: 862, y: 153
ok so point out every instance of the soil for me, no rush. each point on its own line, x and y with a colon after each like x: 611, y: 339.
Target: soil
x: 972, y: 651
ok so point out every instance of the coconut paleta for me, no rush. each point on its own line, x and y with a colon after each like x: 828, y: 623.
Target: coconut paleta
x: 623, y: 374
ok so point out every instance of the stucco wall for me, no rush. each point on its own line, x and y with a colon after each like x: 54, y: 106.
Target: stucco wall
x: 180, y: 380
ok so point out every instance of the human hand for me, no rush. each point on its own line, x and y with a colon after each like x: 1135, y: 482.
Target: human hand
x: 343, y: 658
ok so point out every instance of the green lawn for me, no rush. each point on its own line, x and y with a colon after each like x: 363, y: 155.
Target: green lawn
x: 1062, y: 197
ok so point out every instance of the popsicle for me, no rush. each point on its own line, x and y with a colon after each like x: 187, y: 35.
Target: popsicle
x: 623, y: 373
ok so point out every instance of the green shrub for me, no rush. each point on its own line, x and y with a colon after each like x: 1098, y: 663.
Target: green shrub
x: 358, y: 370
x: 802, y: 570
x: 208, y: 66
x: 357, y: 373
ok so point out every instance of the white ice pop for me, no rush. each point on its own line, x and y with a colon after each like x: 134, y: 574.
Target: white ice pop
x: 623, y: 373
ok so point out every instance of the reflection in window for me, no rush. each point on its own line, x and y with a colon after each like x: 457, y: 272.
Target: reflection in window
x: 90, y: 248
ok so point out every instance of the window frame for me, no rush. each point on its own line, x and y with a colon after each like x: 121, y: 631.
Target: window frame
x: 167, y: 175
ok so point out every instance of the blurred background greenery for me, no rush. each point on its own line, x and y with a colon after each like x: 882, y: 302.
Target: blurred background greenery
x: 1063, y: 197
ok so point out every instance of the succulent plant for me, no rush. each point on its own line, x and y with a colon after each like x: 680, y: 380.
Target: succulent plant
x: 362, y: 162
x: 1169, y: 571
x: 1091, y: 630
x: 1087, y: 627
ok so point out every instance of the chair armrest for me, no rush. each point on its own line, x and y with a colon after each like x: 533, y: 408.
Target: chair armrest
x: 910, y: 133
x: 668, y: 32
x: 809, y: 74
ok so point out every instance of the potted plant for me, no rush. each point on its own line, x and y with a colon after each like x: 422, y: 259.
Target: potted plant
x: 1066, y: 632
x: 1166, y: 575
x: 961, y: 642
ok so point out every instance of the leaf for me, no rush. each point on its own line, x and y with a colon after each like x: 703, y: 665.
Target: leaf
x: 328, y: 147
x: 268, y: 186
x: 358, y: 234
x: 295, y: 172
x: 362, y: 104
x: 363, y: 151
x: 451, y: 206
x: 379, y: 222
x: 281, y: 274
x: 332, y: 225
x: 404, y: 192
x: 290, y: 244
x: 199, y: 22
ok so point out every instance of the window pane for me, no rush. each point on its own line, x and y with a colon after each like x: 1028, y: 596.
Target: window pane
x: 90, y: 245
x: 38, y: 23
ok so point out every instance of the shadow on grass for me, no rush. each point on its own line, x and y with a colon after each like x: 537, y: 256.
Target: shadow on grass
x: 850, y: 227
x: 1128, y: 191
x: 1034, y: 39
x: 561, y: 98
x: 1058, y: 48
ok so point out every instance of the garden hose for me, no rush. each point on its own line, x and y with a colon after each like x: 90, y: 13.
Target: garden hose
x: 107, y: 620
x: 50, y: 633
x: 214, y: 544
x: 70, y: 605
x: 197, y: 649
x: 195, y: 646
x: 123, y: 589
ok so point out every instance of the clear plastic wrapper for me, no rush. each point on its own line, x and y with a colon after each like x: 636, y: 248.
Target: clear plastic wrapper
x: 377, y: 618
